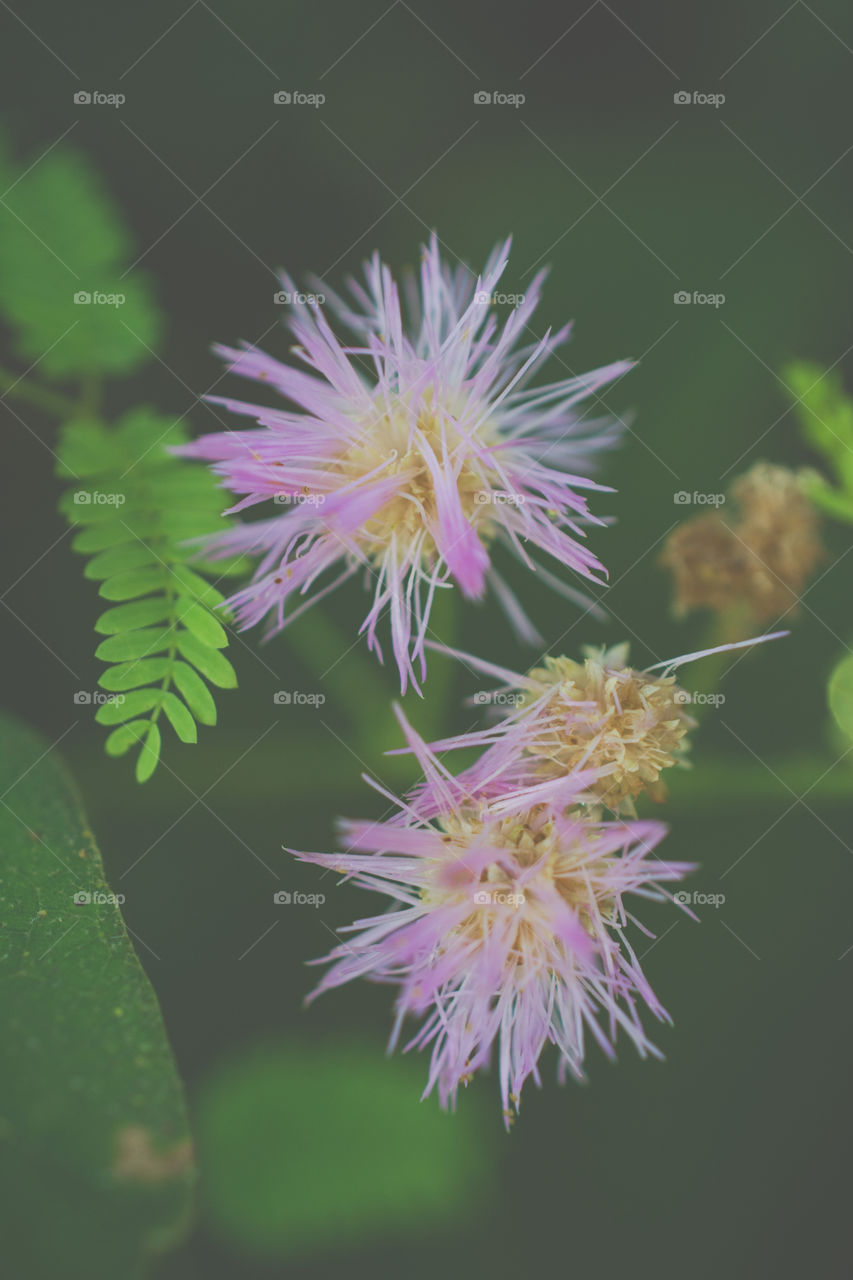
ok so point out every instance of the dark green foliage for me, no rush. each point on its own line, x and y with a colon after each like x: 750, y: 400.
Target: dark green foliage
x: 62, y: 241
x: 95, y: 1158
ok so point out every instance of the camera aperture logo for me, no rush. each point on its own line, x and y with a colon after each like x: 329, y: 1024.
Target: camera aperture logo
x: 97, y: 899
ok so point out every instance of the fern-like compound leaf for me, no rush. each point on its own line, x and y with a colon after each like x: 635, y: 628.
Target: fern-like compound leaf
x: 138, y: 511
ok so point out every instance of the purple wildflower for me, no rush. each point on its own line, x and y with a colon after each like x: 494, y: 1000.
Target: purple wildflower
x: 508, y: 927
x: 410, y: 454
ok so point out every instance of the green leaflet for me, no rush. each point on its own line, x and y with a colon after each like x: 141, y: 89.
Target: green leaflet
x: 136, y: 504
x: 826, y: 416
x: 840, y: 695
x: 95, y: 1158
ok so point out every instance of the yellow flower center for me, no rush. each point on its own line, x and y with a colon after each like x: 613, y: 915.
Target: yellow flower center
x: 389, y: 447
x: 600, y: 713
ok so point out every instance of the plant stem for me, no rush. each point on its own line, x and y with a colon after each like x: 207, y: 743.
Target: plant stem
x: 36, y: 395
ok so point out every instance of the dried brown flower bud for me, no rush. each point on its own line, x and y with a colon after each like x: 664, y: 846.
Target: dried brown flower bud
x: 755, y: 559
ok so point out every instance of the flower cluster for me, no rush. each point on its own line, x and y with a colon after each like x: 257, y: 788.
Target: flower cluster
x: 410, y: 453
x: 509, y: 922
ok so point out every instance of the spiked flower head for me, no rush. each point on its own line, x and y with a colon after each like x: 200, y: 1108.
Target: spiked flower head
x: 508, y: 929
x: 598, y: 714
x: 410, y: 454
x: 601, y: 712
x: 624, y: 724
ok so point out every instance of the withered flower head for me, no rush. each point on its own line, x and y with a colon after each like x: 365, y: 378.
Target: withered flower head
x: 755, y: 557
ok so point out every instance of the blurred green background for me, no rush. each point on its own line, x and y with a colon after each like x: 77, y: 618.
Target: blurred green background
x: 732, y: 1155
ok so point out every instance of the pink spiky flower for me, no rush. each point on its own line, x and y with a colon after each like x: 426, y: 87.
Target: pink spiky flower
x: 508, y: 929
x: 410, y: 454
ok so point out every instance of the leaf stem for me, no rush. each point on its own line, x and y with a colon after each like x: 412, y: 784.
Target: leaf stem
x: 51, y: 401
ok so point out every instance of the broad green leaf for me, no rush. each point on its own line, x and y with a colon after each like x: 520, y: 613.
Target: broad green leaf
x: 285, y: 1135
x: 95, y: 1157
